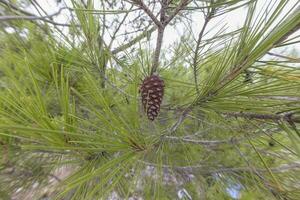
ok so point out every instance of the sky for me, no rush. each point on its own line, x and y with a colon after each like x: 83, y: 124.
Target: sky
x: 232, y: 20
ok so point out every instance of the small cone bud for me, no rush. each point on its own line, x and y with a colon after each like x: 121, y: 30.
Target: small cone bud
x: 152, y: 92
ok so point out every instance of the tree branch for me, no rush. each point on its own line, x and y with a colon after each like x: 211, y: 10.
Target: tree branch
x: 155, y: 62
x: 31, y: 17
x: 160, y: 35
x: 201, y: 142
x: 195, y: 59
x: 181, y: 5
x: 118, y: 28
x: 143, y: 6
x: 286, y: 117
x: 296, y: 60
x: 10, y: 5
x: 134, y: 41
x: 204, y: 169
x: 285, y: 98
x: 242, y: 65
x: 181, y: 118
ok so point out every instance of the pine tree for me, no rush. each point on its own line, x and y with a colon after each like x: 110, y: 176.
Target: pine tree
x: 75, y: 118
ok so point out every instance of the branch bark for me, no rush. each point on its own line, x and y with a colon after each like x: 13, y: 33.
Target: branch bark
x: 161, y: 24
x: 134, y: 41
x: 276, y: 117
x: 204, y: 169
x: 33, y: 17
x: 155, y: 62
x: 201, y: 142
x: 29, y: 16
x: 195, y: 59
x: 294, y: 60
x: 144, y: 7
x: 181, y: 5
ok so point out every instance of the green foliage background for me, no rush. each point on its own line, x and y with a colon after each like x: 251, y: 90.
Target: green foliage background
x: 75, y: 104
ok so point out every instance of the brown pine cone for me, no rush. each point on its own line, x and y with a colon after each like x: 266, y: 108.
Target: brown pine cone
x: 152, y: 92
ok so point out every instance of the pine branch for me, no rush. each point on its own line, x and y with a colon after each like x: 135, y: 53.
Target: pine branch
x: 242, y: 65
x: 201, y: 142
x: 161, y: 24
x: 195, y: 59
x: 159, y: 41
x: 248, y: 61
x: 181, y: 5
x: 296, y: 28
x: 180, y: 120
x: 118, y: 28
x: 144, y: 7
x: 279, y: 169
x: 10, y: 5
x: 276, y: 117
x: 295, y: 60
x: 160, y: 35
x: 146, y: 33
x: 31, y: 17
x: 286, y: 98
x: 204, y: 169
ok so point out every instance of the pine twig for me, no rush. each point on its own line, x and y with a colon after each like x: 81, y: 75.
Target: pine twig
x: 143, y: 6
x: 286, y: 117
x: 237, y: 70
x: 200, y: 142
x: 118, y: 28
x: 295, y: 60
x: 195, y: 59
x: 159, y: 41
x: 160, y: 35
x: 31, y: 17
x: 161, y: 24
x: 134, y: 41
x: 181, y: 5
x: 204, y: 169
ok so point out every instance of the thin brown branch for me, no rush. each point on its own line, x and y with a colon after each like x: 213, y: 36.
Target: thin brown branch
x: 196, y: 55
x: 201, y: 142
x: 55, y: 177
x: 146, y: 33
x: 286, y: 117
x: 240, y: 67
x: 31, y: 17
x: 181, y: 5
x: 279, y: 169
x: 180, y: 120
x: 160, y: 35
x: 204, y: 169
x: 237, y: 70
x: 282, y: 39
x: 118, y: 28
x: 285, y: 98
x: 11, y: 5
x: 296, y: 60
x: 155, y: 63
x: 144, y: 7
x: 213, y: 143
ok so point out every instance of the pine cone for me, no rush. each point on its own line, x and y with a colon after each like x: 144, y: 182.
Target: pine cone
x: 152, y: 92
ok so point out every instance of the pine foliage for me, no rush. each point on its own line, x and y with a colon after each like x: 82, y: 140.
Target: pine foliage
x: 228, y: 122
